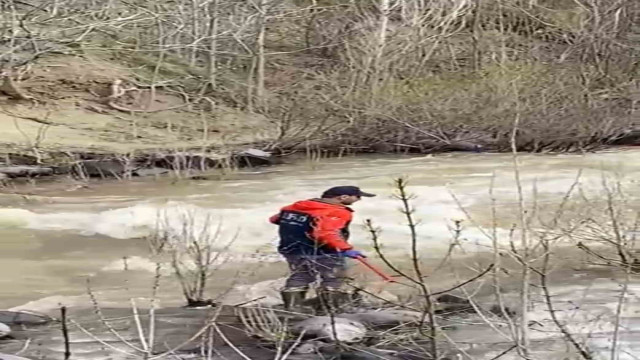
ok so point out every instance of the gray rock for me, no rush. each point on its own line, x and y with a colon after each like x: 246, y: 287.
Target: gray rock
x: 4, y: 330
x: 326, y: 328
x: 452, y: 299
x: 308, y: 347
x: 384, y: 317
x: 498, y: 311
x: 23, y: 318
x: 256, y: 152
x: 4, y: 177
x: 23, y: 170
x: 151, y: 172
x: 253, y: 157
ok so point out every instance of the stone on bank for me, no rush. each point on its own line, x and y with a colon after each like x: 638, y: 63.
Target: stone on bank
x: 4, y: 330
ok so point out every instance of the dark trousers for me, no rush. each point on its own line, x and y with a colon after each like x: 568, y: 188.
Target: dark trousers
x: 305, y: 269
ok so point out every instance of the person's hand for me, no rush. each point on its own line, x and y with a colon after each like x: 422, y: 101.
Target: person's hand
x: 354, y: 254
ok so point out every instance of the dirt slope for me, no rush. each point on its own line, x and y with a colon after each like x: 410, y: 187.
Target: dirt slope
x: 69, y: 113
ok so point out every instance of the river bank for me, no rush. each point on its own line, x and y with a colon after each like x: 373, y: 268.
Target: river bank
x: 18, y: 168
x: 68, y: 128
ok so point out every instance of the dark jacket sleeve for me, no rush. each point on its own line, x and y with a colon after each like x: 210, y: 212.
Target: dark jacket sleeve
x: 327, y: 230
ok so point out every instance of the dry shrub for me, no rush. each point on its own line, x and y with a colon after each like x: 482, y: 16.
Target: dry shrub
x: 452, y: 75
x: 382, y: 75
x: 557, y: 111
x: 196, y: 249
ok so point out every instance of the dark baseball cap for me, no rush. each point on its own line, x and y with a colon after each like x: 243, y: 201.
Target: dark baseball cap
x: 345, y: 190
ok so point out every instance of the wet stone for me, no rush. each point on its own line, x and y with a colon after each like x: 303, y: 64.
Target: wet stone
x: 330, y: 329
x: 4, y: 330
x: 23, y: 318
x: 384, y: 318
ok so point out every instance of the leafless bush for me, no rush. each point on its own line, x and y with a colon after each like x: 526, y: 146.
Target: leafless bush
x: 385, y: 75
x: 139, y: 341
x: 196, y: 249
x: 609, y: 229
x: 601, y: 224
x: 470, y: 53
x: 416, y: 277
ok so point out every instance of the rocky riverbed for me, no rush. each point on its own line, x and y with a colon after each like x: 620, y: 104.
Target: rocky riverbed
x: 469, y: 326
x: 228, y: 332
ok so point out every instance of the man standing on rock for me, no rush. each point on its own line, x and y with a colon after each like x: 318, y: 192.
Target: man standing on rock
x: 313, y: 239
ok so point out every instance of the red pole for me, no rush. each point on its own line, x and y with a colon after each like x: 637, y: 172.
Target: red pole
x: 375, y: 269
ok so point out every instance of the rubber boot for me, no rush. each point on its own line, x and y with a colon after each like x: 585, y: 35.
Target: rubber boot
x: 333, y: 301
x: 293, y: 300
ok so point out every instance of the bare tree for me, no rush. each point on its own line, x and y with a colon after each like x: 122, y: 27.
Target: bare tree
x: 212, y: 63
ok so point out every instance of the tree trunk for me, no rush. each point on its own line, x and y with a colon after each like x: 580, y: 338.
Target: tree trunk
x: 156, y: 70
x: 195, y: 33
x: 260, y: 53
x: 477, y: 54
x: 213, y: 43
x: 383, y: 23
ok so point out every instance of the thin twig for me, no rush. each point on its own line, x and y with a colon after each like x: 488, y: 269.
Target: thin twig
x: 228, y: 342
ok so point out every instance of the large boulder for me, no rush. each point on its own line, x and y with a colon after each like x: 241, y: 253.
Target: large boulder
x: 450, y: 304
x: 328, y: 328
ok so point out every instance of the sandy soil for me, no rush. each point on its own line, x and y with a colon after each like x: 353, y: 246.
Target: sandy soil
x: 67, y: 114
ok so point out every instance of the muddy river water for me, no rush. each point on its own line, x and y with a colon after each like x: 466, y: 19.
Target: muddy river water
x: 55, y: 237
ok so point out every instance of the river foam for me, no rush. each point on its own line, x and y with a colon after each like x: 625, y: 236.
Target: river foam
x: 243, y: 205
x: 248, y: 224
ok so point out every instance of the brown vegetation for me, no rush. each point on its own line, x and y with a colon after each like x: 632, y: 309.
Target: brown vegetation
x: 384, y: 75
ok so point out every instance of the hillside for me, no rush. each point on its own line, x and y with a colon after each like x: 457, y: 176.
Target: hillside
x: 333, y: 75
x: 68, y: 113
